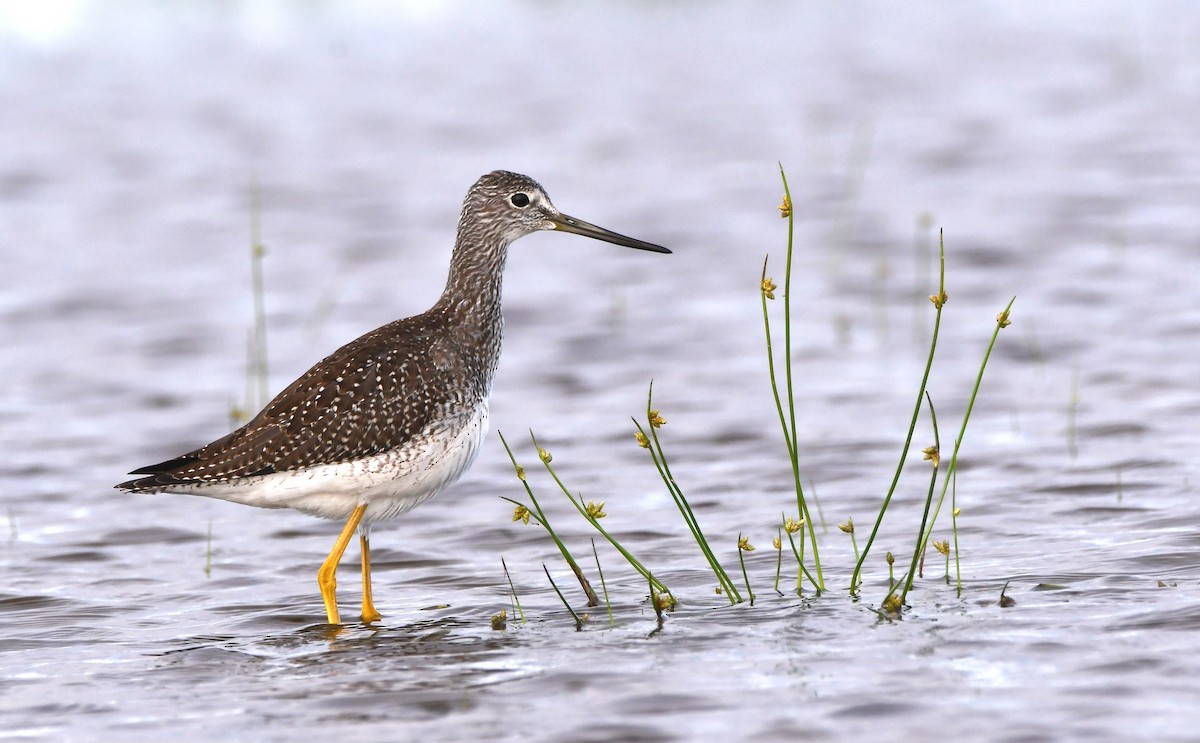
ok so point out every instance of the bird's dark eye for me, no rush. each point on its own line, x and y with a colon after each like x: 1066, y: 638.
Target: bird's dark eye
x: 520, y: 200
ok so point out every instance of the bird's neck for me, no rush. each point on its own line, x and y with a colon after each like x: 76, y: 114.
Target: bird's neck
x: 471, y: 299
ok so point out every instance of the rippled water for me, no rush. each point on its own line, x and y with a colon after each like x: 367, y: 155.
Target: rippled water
x: 1057, y: 147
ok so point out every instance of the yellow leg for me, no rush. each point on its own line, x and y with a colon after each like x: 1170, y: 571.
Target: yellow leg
x: 327, y: 575
x: 368, y: 614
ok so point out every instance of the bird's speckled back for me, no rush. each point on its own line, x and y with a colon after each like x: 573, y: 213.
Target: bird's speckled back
x: 376, y: 393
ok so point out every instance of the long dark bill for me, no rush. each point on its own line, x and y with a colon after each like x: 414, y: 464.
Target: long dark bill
x: 587, y: 229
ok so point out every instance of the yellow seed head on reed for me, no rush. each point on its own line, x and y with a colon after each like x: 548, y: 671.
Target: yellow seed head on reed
x: 933, y: 455
x: 595, y: 510
x: 768, y: 288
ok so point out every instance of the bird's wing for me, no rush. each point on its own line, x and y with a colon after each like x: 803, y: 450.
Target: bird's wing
x: 370, y: 396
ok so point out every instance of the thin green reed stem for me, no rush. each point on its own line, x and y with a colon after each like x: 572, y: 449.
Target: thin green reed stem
x: 819, y: 583
x: 659, y: 457
x: 513, y: 590
x: 603, y: 584
x: 787, y: 333
x: 1002, y: 322
x: 745, y: 575
x: 954, y: 530
x: 578, y: 503
x: 939, y: 303
x: 920, y: 545
x: 779, y: 559
x: 787, y: 437
x: 801, y: 571
x: 578, y: 621
x: 791, y: 396
x: 689, y: 517
x: 593, y: 600
x: 656, y: 603
x: 788, y: 441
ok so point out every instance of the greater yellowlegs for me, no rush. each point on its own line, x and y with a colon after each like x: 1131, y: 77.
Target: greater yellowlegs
x: 389, y: 420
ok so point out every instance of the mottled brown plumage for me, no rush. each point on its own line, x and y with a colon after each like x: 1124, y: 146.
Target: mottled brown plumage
x: 368, y: 397
x: 390, y: 419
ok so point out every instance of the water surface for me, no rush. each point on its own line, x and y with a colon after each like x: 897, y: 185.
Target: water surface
x: 1057, y: 147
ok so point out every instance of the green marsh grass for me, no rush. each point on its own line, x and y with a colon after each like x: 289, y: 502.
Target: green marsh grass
x: 939, y: 302
x: 651, y: 443
x: 805, y: 549
x: 658, y: 612
x: 1002, y: 322
x: 563, y: 599
x: 788, y: 420
x: 777, y: 543
x: 848, y: 528
x: 744, y: 546
x: 537, y: 511
x: 603, y: 584
x: 516, y: 601
x: 943, y: 547
x: 787, y: 416
x: 954, y: 531
x: 932, y: 454
x: 592, y: 513
x: 791, y: 526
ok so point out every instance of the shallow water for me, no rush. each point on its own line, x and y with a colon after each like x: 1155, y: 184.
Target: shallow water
x: 1056, y: 147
